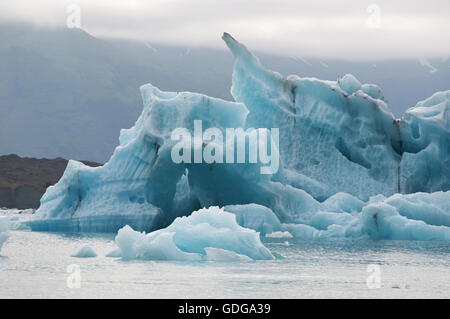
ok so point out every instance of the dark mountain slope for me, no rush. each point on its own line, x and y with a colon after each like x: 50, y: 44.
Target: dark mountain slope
x: 24, y: 180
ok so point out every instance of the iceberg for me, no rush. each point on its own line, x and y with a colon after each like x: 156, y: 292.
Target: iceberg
x: 343, y: 159
x: 207, y: 234
x: 4, y: 231
x: 85, y: 251
x: 425, y: 135
x: 420, y: 216
x: 384, y: 221
x: 331, y: 132
x: 142, y: 186
x: 342, y: 134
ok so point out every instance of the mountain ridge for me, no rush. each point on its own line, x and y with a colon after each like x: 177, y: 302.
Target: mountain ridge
x: 23, y: 180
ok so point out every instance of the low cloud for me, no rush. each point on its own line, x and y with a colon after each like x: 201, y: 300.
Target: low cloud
x: 324, y: 29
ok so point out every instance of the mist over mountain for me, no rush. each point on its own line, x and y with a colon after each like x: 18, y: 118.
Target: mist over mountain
x: 65, y: 93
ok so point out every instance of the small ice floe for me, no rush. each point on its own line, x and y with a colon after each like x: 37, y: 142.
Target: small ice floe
x: 85, y: 251
x: 207, y: 234
x: 280, y: 234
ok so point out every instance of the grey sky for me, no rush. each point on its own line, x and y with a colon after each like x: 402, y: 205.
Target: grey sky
x: 319, y: 28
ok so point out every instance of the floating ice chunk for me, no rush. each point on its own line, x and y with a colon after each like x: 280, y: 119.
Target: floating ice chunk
x: 280, y: 234
x: 302, y: 231
x: 4, y: 231
x: 413, y: 216
x: 256, y: 217
x: 137, y: 245
x: 187, y: 237
x: 433, y: 209
x: 85, y: 251
x: 383, y: 221
x: 353, y: 229
x: 115, y: 253
x: 323, y: 220
x: 319, y: 224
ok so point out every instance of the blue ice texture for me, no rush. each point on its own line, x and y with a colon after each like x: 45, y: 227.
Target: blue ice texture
x: 85, y: 251
x: 207, y: 234
x: 347, y: 168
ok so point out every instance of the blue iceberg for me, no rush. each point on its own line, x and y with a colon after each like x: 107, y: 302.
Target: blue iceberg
x: 425, y: 133
x: 419, y: 216
x: 207, y: 234
x: 346, y: 167
x: 85, y: 251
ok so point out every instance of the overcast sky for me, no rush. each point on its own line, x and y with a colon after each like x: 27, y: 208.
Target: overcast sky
x: 316, y: 28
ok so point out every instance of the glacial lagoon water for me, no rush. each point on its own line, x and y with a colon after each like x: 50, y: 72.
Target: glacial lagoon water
x: 36, y: 264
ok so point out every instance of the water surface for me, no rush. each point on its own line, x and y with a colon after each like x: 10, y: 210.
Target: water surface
x: 34, y: 265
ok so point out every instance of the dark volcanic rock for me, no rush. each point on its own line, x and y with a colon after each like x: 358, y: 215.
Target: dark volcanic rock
x: 24, y: 180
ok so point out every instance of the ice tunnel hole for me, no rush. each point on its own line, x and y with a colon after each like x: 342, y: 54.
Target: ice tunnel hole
x: 136, y: 199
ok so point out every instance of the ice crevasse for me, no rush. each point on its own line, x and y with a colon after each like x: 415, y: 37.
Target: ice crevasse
x: 347, y: 166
